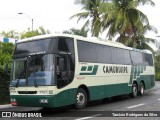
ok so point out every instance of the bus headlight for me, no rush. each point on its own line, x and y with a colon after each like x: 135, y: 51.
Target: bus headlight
x: 13, y: 100
x: 13, y: 92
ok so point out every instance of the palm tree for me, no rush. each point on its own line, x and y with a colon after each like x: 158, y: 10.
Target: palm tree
x: 75, y: 31
x: 91, y: 14
x: 122, y: 17
x: 141, y: 40
x: 119, y: 17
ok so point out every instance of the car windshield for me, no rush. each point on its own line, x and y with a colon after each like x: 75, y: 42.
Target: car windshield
x: 37, y: 70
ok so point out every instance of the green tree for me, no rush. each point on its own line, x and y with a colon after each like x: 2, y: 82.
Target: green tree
x: 6, y: 50
x: 123, y: 17
x: 74, y: 31
x: 157, y: 67
x: 140, y: 41
x: 39, y: 31
x: 10, y: 34
x: 118, y: 16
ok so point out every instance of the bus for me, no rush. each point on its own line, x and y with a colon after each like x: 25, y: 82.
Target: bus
x: 58, y: 70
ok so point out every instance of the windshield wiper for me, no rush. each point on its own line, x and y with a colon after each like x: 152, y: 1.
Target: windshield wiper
x: 17, y: 83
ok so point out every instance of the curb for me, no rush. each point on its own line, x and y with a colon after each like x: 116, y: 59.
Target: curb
x: 6, y: 106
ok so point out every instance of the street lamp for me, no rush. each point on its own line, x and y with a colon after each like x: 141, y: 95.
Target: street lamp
x: 20, y: 13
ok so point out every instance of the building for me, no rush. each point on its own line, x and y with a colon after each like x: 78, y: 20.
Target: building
x: 12, y: 40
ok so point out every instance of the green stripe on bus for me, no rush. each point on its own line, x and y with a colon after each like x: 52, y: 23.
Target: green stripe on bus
x: 89, y: 68
x: 68, y: 96
x: 136, y: 73
x: 89, y: 71
x: 83, y: 68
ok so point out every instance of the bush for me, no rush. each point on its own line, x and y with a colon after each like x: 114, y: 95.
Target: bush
x: 157, y: 76
x: 4, y: 88
x: 6, y: 50
x: 157, y: 67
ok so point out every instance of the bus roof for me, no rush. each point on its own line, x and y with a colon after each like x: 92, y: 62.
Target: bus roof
x: 87, y: 39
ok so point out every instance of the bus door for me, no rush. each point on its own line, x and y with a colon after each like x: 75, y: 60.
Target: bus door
x: 62, y: 77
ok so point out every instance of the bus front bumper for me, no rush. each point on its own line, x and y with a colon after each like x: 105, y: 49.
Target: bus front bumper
x: 33, y: 100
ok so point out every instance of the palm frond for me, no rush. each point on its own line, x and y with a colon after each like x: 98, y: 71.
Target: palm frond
x: 119, y: 18
x: 144, y: 2
x: 96, y: 27
x: 80, y: 16
x: 150, y: 40
x: 146, y: 46
x: 150, y: 28
x: 139, y: 28
x: 134, y: 16
x: 124, y: 24
x: 112, y: 32
x: 86, y: 24
x: 135, y: 45
x: 132, y: 5
x: 83, y: 2
x: 143, y: 17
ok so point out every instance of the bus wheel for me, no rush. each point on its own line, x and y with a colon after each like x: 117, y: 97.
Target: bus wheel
x: 141, y: 89
x: 81, y: 98
x: 134, y: 90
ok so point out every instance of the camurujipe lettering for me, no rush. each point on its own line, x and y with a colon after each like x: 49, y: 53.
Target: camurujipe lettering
x: 115, y: 69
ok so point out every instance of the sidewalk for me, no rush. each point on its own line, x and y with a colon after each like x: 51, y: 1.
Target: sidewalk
x: 6, y: 106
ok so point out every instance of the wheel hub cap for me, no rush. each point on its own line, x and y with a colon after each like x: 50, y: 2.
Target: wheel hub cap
x: 80, y: 98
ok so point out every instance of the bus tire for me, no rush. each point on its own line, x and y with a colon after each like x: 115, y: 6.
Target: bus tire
x: 141, y: 89
x: 81, y: 98
x: 134, y: 90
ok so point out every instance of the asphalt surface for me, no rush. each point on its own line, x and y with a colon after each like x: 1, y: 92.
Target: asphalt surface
x: 146, y: 107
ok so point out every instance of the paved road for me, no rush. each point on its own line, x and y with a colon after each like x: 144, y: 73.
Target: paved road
x: 100, y: 109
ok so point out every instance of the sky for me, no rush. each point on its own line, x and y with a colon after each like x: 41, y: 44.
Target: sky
x: 54, y: 15
x: 51, y: 14
x: 153, y: 14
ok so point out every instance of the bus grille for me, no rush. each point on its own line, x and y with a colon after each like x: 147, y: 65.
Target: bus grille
x: 27, y: 92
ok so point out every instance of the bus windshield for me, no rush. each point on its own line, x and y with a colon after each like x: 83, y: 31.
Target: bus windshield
x: 37, y: 70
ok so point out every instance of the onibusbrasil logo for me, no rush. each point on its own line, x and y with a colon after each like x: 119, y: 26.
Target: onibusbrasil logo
x: 20, y: 115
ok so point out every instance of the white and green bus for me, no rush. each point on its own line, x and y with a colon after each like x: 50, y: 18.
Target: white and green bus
x: 60, y: 70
